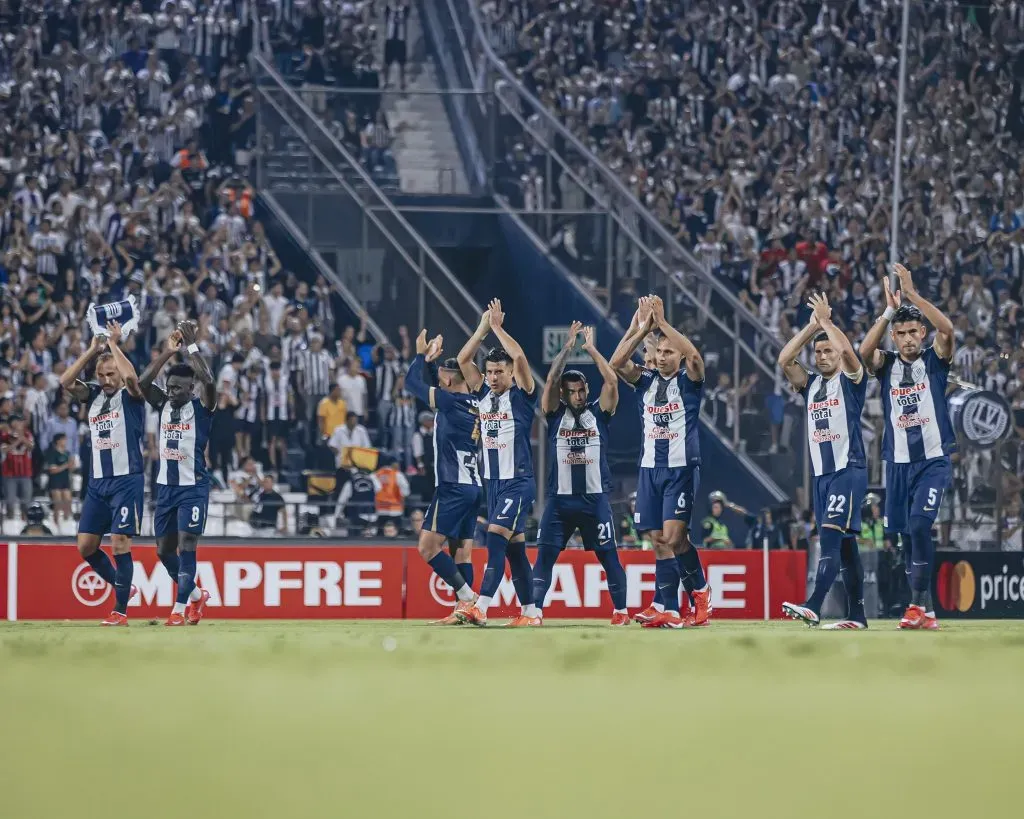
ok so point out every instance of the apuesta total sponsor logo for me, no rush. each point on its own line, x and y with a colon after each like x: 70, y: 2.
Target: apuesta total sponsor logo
x: 962, y: 588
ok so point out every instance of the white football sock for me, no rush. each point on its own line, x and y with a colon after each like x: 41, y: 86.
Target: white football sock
x: 483, y: 603
x: 658, y: 607
x: 179, y: 608
x: 620, y: 611
x: 465, y: 594
x: 196, y: 596
x: 531, y: 611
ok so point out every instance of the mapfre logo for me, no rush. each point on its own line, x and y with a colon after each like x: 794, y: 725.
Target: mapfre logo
x: 441, y: 591
x: 956, y: 586
x: 88, y: 587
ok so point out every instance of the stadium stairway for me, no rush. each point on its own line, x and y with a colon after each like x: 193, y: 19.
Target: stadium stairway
x: 424, y: 146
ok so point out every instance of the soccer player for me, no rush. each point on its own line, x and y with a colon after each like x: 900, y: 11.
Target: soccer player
x: 506, y: 416
x: 578, y: 475
x: 115, y: 491
x: 669, y: 400
x: 835, y: 400
x: 918, y: 437
x: 451, y: 515
x: 183, y: 481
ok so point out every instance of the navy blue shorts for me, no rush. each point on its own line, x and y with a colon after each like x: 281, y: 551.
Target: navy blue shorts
x: 509, y: 503
x: 839, y: 496
x: 452, y: 511
x: 664, y: 493
x: 915, y: 489
x: 591, y: 514
x: 180, y: 509
x: 113, y: 505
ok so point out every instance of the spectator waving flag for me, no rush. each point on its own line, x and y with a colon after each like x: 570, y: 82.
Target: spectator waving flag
x: 125, y: 311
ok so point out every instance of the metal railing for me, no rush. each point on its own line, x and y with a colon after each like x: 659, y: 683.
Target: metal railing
x: 374, y: 250
x: 597, y: 227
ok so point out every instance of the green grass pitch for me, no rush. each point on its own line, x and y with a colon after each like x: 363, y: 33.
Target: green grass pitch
x: 400, y: 719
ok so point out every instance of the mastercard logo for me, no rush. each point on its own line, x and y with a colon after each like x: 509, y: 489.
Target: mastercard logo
x: 956, y: 586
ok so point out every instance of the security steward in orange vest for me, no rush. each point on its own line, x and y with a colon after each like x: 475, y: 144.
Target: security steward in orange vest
x: 394, y: 489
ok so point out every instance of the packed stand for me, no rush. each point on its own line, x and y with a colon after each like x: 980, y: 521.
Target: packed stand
x: 127, y: 136
x: 761, y: 134
x: 331, y: 44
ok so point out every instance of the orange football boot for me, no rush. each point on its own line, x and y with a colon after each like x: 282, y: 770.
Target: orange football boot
x: 620, y: 618
x: 702, y: 611
x: 175, y: 620
x: 645, y: 616
x: 450, y: 620
x: 930, y: 623
x: 115, y: 618
x: 913, y: 618
x: 666, y: 619
x: 523, y: 621
x: 468, y: 613
x: 194, y: 611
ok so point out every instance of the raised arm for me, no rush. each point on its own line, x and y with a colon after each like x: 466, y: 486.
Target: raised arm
x: 550, y: 399
x: 520, y: 366
x: 795, y: 374
x: 415, y: 378
x: 467, y: 366
x: 691, y: 355
x: 124, y: 366
x: 204, y: 375
x: 69, y: 379
x: 940, y: 321
x: 622, y: 359
x: 152, y: 393
x: 869, y: 352
x: 848, y: 358
x: 610, y: 387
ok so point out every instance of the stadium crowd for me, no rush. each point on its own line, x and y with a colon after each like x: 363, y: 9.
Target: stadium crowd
x: 325, y: 44
x: 127, y: 134
x: 761, y: 134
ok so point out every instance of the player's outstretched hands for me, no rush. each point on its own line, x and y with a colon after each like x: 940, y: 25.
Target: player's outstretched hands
x: 187, y: 330
x: 645, y: 309
x: 496, y: 316
x: 906, y: 281
x: 174, y: 340
x: 422, y: 345
x: 114, y: 332
x: 891, y: 299
x: 485, y: 322
x: 434, y: 348
x: 588, y: 339
x: 657, y: 309
x: 819, y: 307
x: 96, y: 343
x: 570, y: 338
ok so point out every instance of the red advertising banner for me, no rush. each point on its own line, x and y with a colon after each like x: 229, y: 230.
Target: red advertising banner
x: 3, y: 581
x: 301, y: 581
x: 579, y: 588
x: 244, y: 581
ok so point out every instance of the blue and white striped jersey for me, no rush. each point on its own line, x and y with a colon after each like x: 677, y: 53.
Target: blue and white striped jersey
x: 834, y: 407
x: 917, y: 422
x: 505, y: 424
x: 578, y: 451
x: 669, y: 410
x: 117, y: 425
x: 181, y: 440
